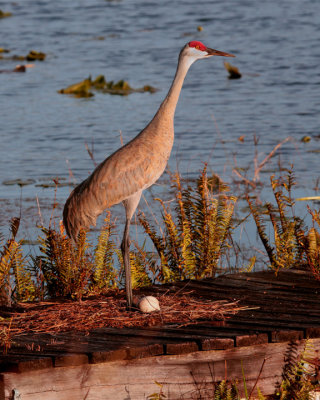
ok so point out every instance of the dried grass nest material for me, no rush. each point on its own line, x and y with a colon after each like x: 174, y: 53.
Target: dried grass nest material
x: 110, y: 311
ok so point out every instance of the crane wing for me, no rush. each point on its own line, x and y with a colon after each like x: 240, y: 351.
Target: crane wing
x: 132, y: 168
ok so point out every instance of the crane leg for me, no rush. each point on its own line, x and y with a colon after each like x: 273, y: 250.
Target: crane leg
x: 125, y: 248
x: 130, y: 205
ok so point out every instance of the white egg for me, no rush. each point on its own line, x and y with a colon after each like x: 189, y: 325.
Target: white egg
x: 149, y: 304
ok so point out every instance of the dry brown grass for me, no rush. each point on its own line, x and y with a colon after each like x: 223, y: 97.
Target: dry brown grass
x: 110, y: 311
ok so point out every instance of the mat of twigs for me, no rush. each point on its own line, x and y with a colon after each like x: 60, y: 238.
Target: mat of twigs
x: 110, y: 311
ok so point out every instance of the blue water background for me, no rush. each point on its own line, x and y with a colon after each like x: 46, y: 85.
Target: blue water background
x: 43, y: 133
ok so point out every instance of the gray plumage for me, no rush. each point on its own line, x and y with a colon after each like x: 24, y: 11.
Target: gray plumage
x: 134, y: 167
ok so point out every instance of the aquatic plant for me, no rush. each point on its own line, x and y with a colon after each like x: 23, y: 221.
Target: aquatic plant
x: 294, y: 245
x: 5, y: 14
x: 297, y: 379
x: 305, y: 139
x: 122, y: 87
x: 225, y: 391
x: 12, y: 262
x: 312, y: 244
x: 34, y: 55
x: 72, y: 270
x: 66, y: 267
x: 104, y: 275
x: 287, y: 249
x: 196, y: 235
x: 234, y: 72
x: 79, y: 89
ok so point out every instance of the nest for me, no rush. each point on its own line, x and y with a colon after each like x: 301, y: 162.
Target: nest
x: 110, y: 311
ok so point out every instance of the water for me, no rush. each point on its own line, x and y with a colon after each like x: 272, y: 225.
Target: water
x: 44, y: 133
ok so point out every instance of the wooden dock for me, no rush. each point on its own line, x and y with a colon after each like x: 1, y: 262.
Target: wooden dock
x: 127, y: 363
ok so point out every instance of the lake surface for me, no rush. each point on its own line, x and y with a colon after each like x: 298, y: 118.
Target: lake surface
x: 44, y: 133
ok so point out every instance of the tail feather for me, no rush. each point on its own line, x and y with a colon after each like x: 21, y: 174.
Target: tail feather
x: 79, y: 212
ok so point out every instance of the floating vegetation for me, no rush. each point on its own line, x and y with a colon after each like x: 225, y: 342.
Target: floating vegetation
x: 79, y: 89
x: 100, y: 82
x: 122, y: 87
x: 305, y: 139
x: 31, y: 56
x: 12, y: 58
x: 20, y: 182
x: 110, y: 35
x: 199, y: 28
x: 44, y: 182
x: 234, y: 72
x: 35, y: 56
x: 4, y: 14
x: 53, y: 184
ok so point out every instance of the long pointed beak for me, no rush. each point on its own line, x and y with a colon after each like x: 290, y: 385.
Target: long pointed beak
x: 213, y: 52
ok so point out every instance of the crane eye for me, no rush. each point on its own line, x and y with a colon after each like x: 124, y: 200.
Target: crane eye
x: 197, y: 47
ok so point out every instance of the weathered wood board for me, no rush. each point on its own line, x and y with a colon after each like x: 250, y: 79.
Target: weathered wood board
x: 185, y: 376
x: 110, y: 363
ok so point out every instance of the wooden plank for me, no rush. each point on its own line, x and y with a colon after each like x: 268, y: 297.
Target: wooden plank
x: 251, y: 291
x: 282, y: 314
x: 259, y: 325
x: 127, y: 353
x: 145, y: 351
x: 168, y: 334
x: 250, y: 340
x: 68, y: 360
x: 108, y: 355
x: 307, y: 303
x: 257, y: 315
x: 255, y: 280
x: 286, y: 278
x: 11, y: 363
x: 136, y: 379
x: 181, y: 348
x: 216, y: 344
x: 313, y: 332
x: 286, y: 336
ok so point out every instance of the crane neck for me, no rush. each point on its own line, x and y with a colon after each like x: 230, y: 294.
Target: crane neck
x: 169, y: 104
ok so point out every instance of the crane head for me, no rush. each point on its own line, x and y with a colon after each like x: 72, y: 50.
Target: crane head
x: 198, y: 50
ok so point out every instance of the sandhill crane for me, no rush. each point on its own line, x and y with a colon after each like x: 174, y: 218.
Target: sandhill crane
x: 134, y: 167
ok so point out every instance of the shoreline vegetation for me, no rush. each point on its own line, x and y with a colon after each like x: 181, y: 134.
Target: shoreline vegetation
x: 193, y: 240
